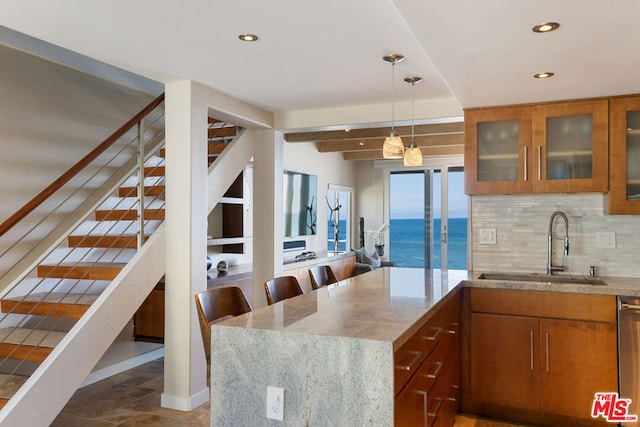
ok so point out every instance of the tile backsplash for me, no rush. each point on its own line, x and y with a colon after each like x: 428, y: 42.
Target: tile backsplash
x: 521, y: 223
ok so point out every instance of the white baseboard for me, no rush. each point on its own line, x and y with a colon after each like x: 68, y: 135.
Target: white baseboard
x: 109, y: 371
x: 185, y: 403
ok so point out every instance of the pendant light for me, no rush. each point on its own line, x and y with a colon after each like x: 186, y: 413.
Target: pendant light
x: 392, y: 147
x: 413, y: 155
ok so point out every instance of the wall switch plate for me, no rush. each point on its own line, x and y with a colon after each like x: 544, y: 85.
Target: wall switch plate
x: 606, y: 240
x: 487, y: 236
x: 275, y: 403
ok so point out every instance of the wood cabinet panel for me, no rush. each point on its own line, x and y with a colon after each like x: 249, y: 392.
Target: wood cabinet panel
x: 429, y: 394
x: 624, y: 157
x: 557, y: 147
x: 495, y: 164
x: 601, y: 308
x: 149, y: 318
x: 577, y: 359
x: 504, y: 360
x: 522, y: 363
x: 576, y: 147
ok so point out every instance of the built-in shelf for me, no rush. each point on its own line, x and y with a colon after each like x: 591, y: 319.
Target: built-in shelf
x: 555, y: 154
x: 513, y: 156
x: 217, y: 241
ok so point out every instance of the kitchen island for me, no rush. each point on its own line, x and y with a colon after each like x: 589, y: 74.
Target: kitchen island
x: 332, y: 350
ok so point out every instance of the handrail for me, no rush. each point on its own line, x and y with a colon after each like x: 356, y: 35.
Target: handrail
x: 75, y: 169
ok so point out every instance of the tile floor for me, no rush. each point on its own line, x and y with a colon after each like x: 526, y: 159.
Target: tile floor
x: 132, y: 398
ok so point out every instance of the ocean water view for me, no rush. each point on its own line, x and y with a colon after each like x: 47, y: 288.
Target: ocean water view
x: 406, y: 248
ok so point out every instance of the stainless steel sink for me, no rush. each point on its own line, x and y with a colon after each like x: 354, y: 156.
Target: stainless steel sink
x: 534, y: 277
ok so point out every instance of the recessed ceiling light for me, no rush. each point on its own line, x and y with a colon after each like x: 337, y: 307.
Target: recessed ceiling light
x: 248, y: 37
x: 545, y: 27
x: 542, y: 75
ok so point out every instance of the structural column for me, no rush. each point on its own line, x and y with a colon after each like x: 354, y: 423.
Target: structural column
x: 267, y: 213
x: 185, y: 375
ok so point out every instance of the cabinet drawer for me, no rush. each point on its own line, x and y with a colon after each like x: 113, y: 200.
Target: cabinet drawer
x: 560, y: 305
x: 406, y: 361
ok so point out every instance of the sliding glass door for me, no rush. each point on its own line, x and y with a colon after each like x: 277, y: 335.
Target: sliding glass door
x: 428, y: 218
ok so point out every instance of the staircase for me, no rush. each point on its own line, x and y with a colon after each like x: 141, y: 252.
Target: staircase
x: 66, y: 293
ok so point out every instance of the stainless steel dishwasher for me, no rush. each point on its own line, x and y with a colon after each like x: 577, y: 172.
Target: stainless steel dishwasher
x: 629, y: 353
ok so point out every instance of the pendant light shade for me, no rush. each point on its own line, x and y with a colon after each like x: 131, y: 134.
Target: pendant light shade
x: 413, y: 155
x: 393, y: 147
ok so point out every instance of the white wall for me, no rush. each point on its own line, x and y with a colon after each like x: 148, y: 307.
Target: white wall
x: 330, y: 168
x: 50, y: 117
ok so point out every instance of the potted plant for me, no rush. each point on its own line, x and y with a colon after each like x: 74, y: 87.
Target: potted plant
x: 378, y: 236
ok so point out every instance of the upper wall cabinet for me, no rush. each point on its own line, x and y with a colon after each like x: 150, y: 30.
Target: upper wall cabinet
x: 548, y: 148
x: 624, y: 193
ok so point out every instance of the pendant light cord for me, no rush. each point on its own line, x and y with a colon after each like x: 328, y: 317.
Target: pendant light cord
x: 393, y: 96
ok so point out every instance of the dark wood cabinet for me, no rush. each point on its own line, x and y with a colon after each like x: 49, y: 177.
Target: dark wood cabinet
x: 149, y: 319
x: 427, y: 370
x: 539, y: 357
x: 559, y: 147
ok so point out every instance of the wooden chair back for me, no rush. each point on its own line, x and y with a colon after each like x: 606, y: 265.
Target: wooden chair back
x: 215, y: 305
x: 321, y: 275
x: 280, y: 288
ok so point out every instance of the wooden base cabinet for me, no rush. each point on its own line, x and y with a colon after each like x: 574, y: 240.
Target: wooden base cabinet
x: 427, y: 371
x: 540, y: 357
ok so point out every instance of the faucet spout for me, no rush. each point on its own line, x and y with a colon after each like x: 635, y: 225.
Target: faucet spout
x: 550, y: 267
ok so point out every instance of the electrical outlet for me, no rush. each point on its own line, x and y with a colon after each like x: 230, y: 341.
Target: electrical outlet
x: 487, y: 236
x: 606, y: 240
x: 275, y: 403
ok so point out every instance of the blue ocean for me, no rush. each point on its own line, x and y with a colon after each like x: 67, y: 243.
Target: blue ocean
x: 406, y: 248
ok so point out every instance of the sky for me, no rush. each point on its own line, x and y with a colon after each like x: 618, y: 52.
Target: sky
x: 407, y: 195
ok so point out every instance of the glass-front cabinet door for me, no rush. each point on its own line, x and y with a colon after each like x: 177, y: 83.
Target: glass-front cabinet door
x: 497, y: 150
x: 570, y: 141
x: 624, y: 192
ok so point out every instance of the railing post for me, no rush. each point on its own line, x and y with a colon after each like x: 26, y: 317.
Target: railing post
x: 140, y: 183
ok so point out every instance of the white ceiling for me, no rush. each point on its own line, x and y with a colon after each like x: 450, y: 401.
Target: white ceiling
x: 327, y: 54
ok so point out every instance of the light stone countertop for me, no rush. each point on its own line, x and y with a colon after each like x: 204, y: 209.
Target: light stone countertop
x: 387, y: 304
x: 390, y: 304
x: 624, y: 286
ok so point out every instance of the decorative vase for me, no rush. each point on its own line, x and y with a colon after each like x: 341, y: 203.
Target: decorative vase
x: 222, y: 266
x: 380, y: 250
x: 209, y: 263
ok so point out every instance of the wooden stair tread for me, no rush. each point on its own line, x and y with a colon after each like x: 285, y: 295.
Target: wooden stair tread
x: 128, y: 214
x: 49, y: 304
x: 82, y: 270
x: 154, y: 171
x: 156, y: 190
x: 101, y: 241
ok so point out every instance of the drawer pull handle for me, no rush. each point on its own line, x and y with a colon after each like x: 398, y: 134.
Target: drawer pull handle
x: 435, y: 335
x: 436, y: 372
x: 435, y: 412
x: 416, y: 357
x: 454, y: 392
x: 531, y: 347
x: 526, y: 160
x: 454, y: 328
x: 546, y: 337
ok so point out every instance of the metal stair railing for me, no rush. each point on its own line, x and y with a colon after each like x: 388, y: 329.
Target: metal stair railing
x: 114, y: 161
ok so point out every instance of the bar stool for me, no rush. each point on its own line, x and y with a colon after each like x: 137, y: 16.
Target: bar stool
x: 321, y: 275
x: 215, y: 305
x: 280, y: 288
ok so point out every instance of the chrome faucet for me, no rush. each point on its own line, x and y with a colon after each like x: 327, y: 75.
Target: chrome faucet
x: 550, y: 267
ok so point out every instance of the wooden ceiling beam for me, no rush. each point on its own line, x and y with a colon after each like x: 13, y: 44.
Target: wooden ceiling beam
x: 453, y: 150
x: 403, y: 131
x: 349, y: 145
